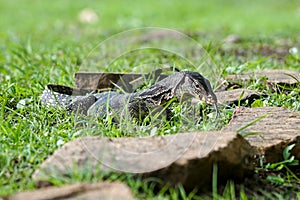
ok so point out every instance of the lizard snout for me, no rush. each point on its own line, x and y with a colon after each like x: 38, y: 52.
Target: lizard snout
x: 209, y: 99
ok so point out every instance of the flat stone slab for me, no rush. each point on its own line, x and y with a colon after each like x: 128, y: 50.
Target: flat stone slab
x: 78, y: 191
x: 277, y: 128
x: 107, y: 80
x: 273, y: 77
x: 93, y: 80
x: 185, y: 158
x: 234, y: 96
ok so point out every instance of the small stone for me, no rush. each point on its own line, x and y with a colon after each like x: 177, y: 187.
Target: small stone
x: 88, y: 16
x: 233, y: 39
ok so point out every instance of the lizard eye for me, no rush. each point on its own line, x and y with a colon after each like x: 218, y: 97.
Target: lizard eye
x: 197, y: 86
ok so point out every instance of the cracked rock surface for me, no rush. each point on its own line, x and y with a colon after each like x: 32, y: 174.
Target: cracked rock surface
x: 185, y: 158
x: 78, y: 191
x: 277, y: 128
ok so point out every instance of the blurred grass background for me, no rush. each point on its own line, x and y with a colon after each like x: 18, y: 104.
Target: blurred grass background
x: 42, y: 20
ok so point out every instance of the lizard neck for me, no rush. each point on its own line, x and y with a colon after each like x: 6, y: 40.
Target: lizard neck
x: 156, y: 95
x: 162, y: 91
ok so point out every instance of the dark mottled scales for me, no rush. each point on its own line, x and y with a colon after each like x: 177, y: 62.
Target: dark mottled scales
x: 179, y: 86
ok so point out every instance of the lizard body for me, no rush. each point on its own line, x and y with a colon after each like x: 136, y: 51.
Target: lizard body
x: 179, y: 86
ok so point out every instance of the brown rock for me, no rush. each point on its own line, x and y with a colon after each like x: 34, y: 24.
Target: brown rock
x: 273, y: 77
x: 106, y: 81
x: 104, y: 190
x: 234, y: 96
x: 90, y: 80
x: 185, y: 158
x: 277, y: 128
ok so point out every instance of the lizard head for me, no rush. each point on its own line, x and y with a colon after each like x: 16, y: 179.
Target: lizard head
x: 194, y: 85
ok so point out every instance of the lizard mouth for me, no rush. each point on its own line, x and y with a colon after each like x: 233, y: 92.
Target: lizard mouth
x: 208, y: 99
x: 211, y: 101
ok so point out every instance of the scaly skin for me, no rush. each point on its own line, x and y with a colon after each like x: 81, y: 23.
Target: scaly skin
x: 179, y: 86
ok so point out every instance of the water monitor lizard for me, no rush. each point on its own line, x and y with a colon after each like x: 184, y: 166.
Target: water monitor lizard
x: 179, y: 86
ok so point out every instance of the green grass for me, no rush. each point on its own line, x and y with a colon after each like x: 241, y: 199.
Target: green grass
x: 236, y: 16
x: 43, y: 42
